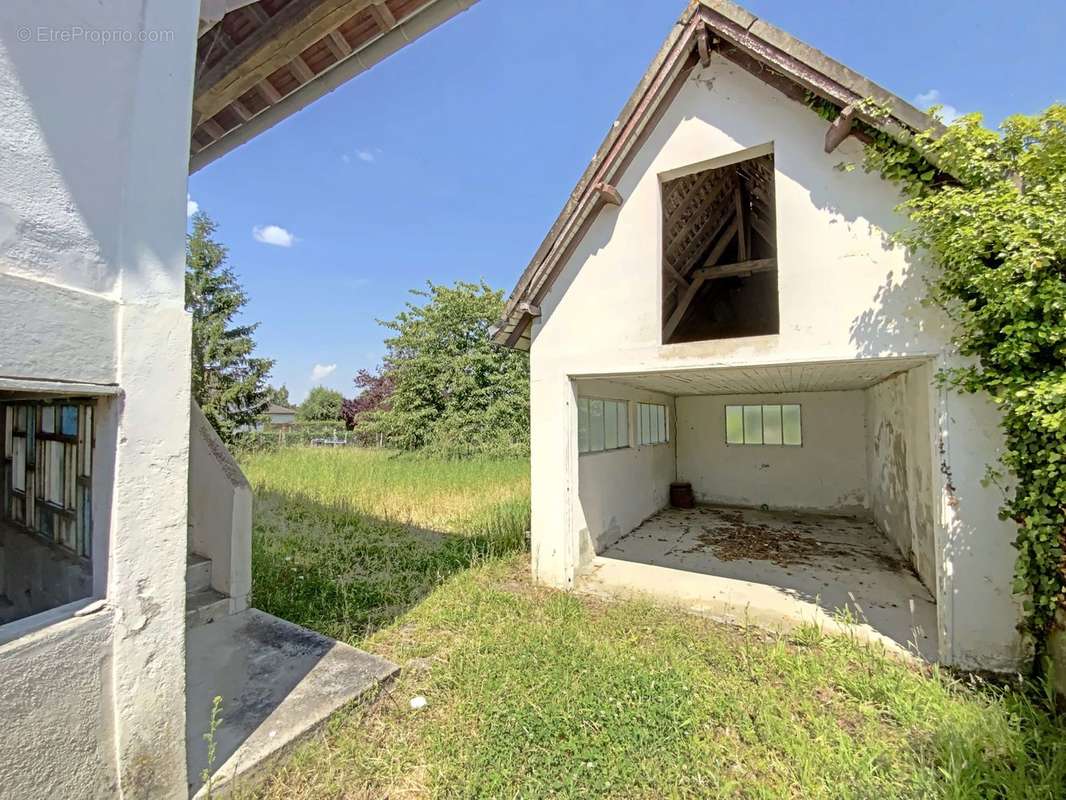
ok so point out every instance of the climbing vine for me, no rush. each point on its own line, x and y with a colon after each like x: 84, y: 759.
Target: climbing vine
x: 990, y: 207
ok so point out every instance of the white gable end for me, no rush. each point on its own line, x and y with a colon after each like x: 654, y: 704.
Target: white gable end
x: 844, y: 289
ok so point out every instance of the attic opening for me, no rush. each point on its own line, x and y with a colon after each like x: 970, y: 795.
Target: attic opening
x: 720, y: 253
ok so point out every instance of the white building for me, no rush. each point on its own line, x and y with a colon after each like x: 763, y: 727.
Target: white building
x: 123, y: 518
x: 719, y: 304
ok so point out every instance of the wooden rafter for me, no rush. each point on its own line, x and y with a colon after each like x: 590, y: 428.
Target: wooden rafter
x: 270, y: 94
x: 742, y: 222
x: 384, y: 18
x: 741, y: 269
x: 301, y: 70
x: 609, y: 195
x: 297, y: 26
x: 338, y: 45
x: 840, y: 128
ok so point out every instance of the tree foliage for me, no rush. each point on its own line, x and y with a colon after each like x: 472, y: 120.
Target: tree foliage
x: 453, y: 390
x: 374, y: 391
x: 993, y: 215
x: 321, y: 405
x: 228, y: 382
x: 279, y: 396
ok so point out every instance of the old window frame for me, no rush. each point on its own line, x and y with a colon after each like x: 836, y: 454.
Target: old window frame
x: 47, y: 466
x: 653, y: 424
x: 748, y: 412
x: 585, y: 437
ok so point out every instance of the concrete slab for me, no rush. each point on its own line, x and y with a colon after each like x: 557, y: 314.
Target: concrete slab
x: 777, y: 570
x: 278, y: 683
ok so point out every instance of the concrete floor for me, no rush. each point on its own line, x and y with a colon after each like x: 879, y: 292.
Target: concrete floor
x: 278, y: 683
x: 776, y: 569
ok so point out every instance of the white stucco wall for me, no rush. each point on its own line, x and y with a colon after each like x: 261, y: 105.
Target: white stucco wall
x: 93, y: 169
x: 845, y: 292
x: 55, y: 706
x: 619, y: 489
x: 826, y: 473
x: 900, y: 466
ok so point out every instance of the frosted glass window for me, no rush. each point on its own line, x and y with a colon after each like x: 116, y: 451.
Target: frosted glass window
x: 595, y: 425
x: 792, y: 431
x: 610, y: 428
x: 734, y: 425
x: 48, y: 420
x: 771, y: 424
x: 753, y: 425
x: 651, y: 423
x: 582, y: 425
x: 602, y: 425
x: 763, y: 424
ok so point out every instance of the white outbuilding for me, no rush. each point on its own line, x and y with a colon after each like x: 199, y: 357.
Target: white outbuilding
x: 719, y: 304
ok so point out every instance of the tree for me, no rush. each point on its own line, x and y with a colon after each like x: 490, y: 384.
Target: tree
x: 228, y: 383
x: 375, y: 389
x: 279, y: 396
x: 453, y: 390
x: 321, y: 405
x: 992, y: 212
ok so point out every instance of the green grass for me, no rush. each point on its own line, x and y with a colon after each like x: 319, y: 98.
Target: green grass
x: 534, y: 693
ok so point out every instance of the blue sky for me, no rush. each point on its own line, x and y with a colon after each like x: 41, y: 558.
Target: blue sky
x: 450, y: 160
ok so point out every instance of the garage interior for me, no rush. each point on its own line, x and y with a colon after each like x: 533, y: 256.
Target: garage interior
x: 823, y: 513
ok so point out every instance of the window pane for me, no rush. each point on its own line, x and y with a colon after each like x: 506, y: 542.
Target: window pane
x: 645, y: 423
x: 771, y: 424
x: 18, y: 466
x: 48, y: 419
x: 595, y: 425
x: 69, y: 420
x: 54, y: 464
x: 734, y: 425
x: 610, y: 425
x: 623, y: 424
x: 752, y: 424
x: 660, y: 412
x: 790, y: 423
x: 582, y: 425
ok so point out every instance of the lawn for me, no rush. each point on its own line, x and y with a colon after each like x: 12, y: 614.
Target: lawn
x: 536, y: 693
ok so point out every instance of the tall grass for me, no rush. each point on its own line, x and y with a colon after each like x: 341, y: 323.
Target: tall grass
x: 345, y: 540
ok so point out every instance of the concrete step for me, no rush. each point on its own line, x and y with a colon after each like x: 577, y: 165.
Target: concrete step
x: 205, y: 606
x: 197, y: 574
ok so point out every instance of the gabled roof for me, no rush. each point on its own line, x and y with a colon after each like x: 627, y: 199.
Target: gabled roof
x: 274, y: 408
x: 792, y: 67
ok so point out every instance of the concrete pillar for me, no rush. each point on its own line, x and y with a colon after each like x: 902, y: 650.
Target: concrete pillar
x: 93, y: 172
x: 553, y: 474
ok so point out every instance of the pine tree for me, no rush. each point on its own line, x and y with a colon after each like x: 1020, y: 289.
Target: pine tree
x: 227, y: 381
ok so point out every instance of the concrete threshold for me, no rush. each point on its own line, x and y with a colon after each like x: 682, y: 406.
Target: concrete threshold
x: 278, y: 682
x: 730, y: 600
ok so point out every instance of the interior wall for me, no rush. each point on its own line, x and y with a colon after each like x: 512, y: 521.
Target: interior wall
x: 826, y: 473
x: 619, y: 489
x: 900, y: 465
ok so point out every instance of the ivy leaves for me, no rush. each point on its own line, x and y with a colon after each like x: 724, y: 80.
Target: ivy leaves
x: 992, y: 212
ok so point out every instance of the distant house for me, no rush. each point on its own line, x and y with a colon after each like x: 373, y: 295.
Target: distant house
x: 719, y: 305
x: 280, y: 416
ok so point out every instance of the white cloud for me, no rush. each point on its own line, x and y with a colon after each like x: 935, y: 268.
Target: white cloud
x: 365, y: 155
x: 948, y: 113
x: 273, y: 234
x: 322, y: 371
x: 191, y: 206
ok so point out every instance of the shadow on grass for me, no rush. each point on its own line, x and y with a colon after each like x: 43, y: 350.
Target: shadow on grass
x: 347, y: 574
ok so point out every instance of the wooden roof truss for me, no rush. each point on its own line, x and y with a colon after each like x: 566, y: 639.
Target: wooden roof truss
x: 703, y: 214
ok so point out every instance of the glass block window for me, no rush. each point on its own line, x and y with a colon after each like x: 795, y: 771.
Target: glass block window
x: 651, y: 424
x: 602, y: 425
x: 763, y: 424
x: 47, y: 470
